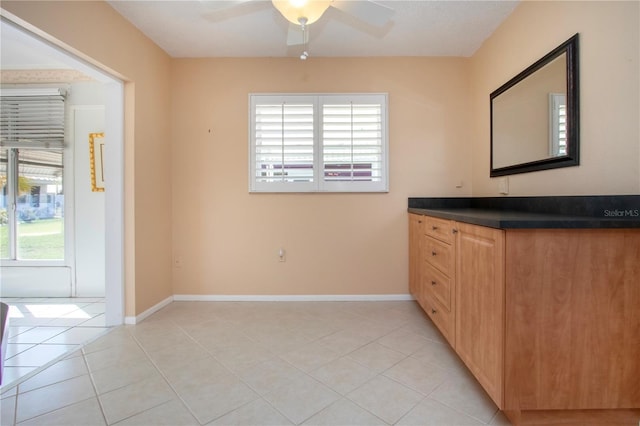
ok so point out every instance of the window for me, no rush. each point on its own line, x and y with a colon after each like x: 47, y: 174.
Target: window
x: 31, y: 175
x: 558, y: 124
x: 318, y: 143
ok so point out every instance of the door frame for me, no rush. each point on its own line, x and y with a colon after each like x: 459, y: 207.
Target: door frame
x: 114, y: 162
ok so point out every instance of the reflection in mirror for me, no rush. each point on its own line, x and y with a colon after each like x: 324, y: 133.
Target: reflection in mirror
x: 534, y: 116
x: 523, y: 118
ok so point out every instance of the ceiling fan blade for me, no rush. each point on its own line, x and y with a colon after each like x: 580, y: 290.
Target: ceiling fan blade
x: 295, y: 35
x: 219, y: 10
x: 367, y: 11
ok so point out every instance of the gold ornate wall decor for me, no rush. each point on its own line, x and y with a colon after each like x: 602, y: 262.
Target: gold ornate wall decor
x: 96, y: 159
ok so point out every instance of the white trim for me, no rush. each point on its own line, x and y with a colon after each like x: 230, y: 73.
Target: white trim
x: 152, y: 310
x: 114, y: 203
x: 292, y: 298
x: 267, y: 298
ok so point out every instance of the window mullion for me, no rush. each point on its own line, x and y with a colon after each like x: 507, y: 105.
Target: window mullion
x: 318, y: 146
x: 282, y: 141
x: 351, y: 147
x: 12, y: 213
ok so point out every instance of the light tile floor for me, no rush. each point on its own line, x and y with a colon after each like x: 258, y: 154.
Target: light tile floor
x: 42, y: 330
x: 262, y: 363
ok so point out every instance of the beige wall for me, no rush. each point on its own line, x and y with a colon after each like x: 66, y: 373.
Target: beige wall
x: 96, y: 32
x: 228, y: 239
x: 187, y: 135
x: 609, y: 93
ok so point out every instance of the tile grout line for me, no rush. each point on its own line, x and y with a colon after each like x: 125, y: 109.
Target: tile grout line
x: 146, y: 354
x: 55, y: 409
x: 341, y: 396
x: 93, y: 384
x: 15, y: 407
x: 236, y: 375
x: 37, y: 369
x: 278, y: 356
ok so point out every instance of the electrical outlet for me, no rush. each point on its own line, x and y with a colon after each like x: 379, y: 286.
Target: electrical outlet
x: 503, y: 185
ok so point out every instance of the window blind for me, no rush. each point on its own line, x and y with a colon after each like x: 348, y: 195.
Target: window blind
x: 32, y: 119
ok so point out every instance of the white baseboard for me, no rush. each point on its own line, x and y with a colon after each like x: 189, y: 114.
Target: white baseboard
x: 292, y: 298
x: 267, y: 298
x: 155, y: 308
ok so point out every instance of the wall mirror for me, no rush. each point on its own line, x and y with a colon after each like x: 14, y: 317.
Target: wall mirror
x: 535, y: 115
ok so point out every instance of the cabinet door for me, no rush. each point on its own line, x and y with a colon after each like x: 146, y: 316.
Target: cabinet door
x: 480, y: 305
x: 573, y: 309
x: 415, y: 257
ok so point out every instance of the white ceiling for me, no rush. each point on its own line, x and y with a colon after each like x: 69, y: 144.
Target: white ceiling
x: 190, y: 28
x: 187, y: 28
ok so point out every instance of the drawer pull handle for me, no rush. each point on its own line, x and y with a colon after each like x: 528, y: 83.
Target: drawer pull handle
x: 433, y: 283
x: 433, y: 311
x: 434, y: 227
x: 455, y: 231
x: 419, y: 221
x: 433, y: 253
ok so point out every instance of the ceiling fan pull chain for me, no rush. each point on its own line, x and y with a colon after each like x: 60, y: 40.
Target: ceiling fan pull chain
x: 305, y: 41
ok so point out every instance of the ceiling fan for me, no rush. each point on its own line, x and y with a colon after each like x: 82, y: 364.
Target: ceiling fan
x: 302, y: 13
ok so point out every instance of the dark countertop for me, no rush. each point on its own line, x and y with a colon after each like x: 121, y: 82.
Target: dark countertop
x: 571, y: 212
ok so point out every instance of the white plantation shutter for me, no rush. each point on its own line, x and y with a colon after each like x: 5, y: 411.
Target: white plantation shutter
x: 562, y: 129
x: 282, y: 143
x: 31, y: 118
x: 353, y: 143
x: 304, y: 143
x: 558, y: 124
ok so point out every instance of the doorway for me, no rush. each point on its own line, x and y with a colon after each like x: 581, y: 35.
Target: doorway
x: 106, y: 256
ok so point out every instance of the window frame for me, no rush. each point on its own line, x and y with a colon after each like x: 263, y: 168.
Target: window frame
x: 319, y: 184
x: 12, y: 146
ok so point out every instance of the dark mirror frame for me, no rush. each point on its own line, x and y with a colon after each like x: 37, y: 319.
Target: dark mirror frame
x: 570, y: 47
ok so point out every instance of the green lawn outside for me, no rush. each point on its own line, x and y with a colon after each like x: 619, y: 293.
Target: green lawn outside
x: 38, y: 240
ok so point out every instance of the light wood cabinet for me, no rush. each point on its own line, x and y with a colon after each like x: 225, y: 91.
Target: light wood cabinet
x: 438, y: 273
x: 432, y: 268
x: 547, y: 320
x: 573, y: 313
x: 415, y: 234
x: 480, y: 304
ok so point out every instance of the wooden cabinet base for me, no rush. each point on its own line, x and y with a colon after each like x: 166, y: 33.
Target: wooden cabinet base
x: 574, y: 417
x: 547, y: 320
x: 573, y: 316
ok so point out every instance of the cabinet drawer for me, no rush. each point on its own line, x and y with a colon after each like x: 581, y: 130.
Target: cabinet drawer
x: 419, y: 221
x: 441, y: 317
x: 440, y: 229
x: 437, y: 284
x: 439, y: 254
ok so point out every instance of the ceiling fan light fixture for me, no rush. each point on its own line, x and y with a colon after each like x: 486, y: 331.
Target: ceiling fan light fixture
x: 294, y: 10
